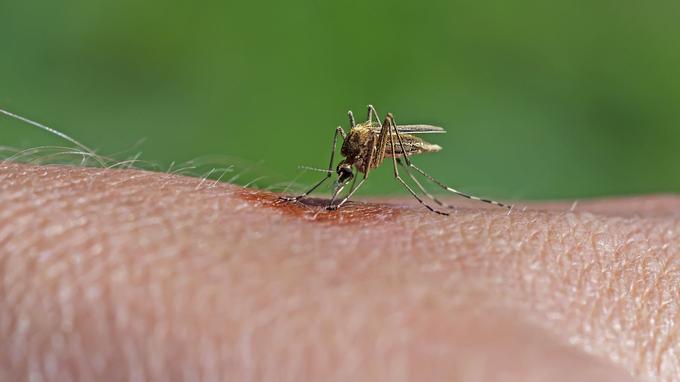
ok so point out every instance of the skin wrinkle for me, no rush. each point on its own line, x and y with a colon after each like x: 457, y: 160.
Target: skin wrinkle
x: 597, y: 264
x: 503, y: 271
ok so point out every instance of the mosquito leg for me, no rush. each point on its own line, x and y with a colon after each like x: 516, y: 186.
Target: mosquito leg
x: 354, y: 181
x: 372, y: 113
x: 447, y: 188
x: 396, y: 170
x: 420, y: 186
x: 401, y: 142
x: 332, y: 206
x: 352, y: 124
x: 417, y: 197
x: 337, y: 191
x: 432, y: 179
x: 338, y: 131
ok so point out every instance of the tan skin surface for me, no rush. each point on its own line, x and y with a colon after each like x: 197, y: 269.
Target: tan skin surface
x: 130, y: 275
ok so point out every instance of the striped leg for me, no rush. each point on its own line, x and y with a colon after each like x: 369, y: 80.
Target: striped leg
x: 420, y: 186
x: 437, y: 182
x: 447, y: 188
x: 393, y: 128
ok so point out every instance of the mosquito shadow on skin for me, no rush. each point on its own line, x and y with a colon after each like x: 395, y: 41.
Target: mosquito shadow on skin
x: 314, y: 209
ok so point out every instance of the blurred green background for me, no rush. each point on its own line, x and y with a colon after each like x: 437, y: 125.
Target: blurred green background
x: 561, y: 99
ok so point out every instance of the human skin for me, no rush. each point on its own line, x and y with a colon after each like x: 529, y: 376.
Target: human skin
x: 133, y: 275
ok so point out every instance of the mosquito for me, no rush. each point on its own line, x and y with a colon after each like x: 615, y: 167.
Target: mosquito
x: 368, y: 144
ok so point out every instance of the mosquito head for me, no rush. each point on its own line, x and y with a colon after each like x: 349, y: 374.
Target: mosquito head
x: 345, y: 174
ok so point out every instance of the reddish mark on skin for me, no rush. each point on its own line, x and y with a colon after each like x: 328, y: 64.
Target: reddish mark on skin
x: 314, y: 209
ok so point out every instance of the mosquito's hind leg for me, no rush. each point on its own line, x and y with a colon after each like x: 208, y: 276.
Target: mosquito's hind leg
x: 396, y: 176
x: 420, y: 186
x: 447, y: 188
x: 338, y: 131
x: 392, y: 127
x: 435, y: 181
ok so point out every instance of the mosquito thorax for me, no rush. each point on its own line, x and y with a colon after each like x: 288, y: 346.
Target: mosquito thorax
x: 356, y: 141
x: 357, y: 146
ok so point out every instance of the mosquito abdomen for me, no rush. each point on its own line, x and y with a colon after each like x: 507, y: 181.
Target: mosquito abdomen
x: 412, y: 145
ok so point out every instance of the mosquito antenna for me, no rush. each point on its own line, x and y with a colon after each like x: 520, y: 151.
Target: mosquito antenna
x: 53, y: 131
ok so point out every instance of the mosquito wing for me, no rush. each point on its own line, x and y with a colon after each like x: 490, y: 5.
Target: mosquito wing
x: 413, y: 129
x: 419, y: 129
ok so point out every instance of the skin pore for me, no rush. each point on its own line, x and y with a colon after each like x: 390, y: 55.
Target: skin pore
x: 134, y: 275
